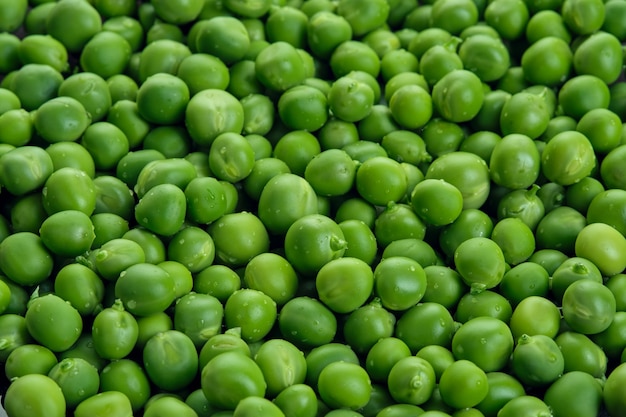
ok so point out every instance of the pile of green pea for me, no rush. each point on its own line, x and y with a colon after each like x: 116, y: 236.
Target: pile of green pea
x: 302, y: 208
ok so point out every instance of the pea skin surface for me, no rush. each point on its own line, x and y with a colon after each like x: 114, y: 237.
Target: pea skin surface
x: 302, y: 208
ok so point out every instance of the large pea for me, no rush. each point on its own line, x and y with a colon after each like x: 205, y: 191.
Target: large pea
x: 284, y: 199
x: 24, y: 258
x: 162, y: 210
x: 69, y: 189
x: 53, y: 322
x: 145, y: 289
x: 25, y: 169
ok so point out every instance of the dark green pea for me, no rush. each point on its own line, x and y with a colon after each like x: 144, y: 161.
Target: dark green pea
x: 25, y: 169
x: 183, y: 280
x: 508, y: 17
x: 128, y: 27
x: 376, y: 125
x: 258, y: 113
x: 77, y: 378
x: 199, y: 316
x: 405, y: 78
x: 243, y: 81
x: 253, y: 311
x: 171, y: 141
x: 419, y: 18
x: 470, y: 223
x: 524, y: 280
x: 14, y: 333
x: 170, y: 360
x: 152, y: 324
x: 524, y: 205
x: 356, y: 209
x: 398, y: 221
x: 72, y: 155
x: 51, y: 310
x: 206, y: 200
x: 483, y: 304
x: 261, y: 145
x: 298, y: 400
x: 192, y: 247
x: 17, y: 126
x: 198, y: 402
x: 427, y: 38
x: 172, y: 209
x: 81, y: 287
x: 552, y: 232
x: 486, y: 341
x: 113, y: 196
x: 307, y: 322
x: 441, y: 137
x: 263, y: 171
x: 416, y: 249
x: 580, y: 194
x: 397, y: 61
x: 436, y: 326
x: 502, y: 388
x: 229, y: 341
x: 172, y: 171
x: 444, y: 286
x: 124, y: 114
x: 296, y: 148
x: 116, y: 255
x: 282, y: 364
x: 131, y: 164
x: 581, y: 354
x: 114, y: 332
x: 335, y: 134
x: 488, y: 116
x: 27, y: 214
x: 114, y: 403
x: 127, y: 377
x: 96, y: 99
x: 84, y: 349
x: 145, y: 289
x: 354, y: 56
x: 486, y: 56
x: 18, y: 300
x: 481, y: 143
x: 513, y: 80
x: 34, y: 84
x: 24, y: 258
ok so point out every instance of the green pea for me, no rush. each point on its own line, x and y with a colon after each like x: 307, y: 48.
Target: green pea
x: 354, y: 56
x: 24, y: 258
x: 25, y: 169
x: 168, y: 219
x: 29, y: 359
x: 455, y: 103
x: 27, y: 390
x: 486, y: 341
x: 238, y: 237
x: 51, y: 310
x: 560, y: 152
x: 192, y: 247
x: 537, y: 360
x: 483, y: 304
x: 227, y: 111
x: 114, y: 403
x: 575, y: 103
x: 199, y: 316
x: 145, y: 289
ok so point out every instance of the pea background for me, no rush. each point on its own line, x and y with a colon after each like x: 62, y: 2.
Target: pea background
x: 343, y: 51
